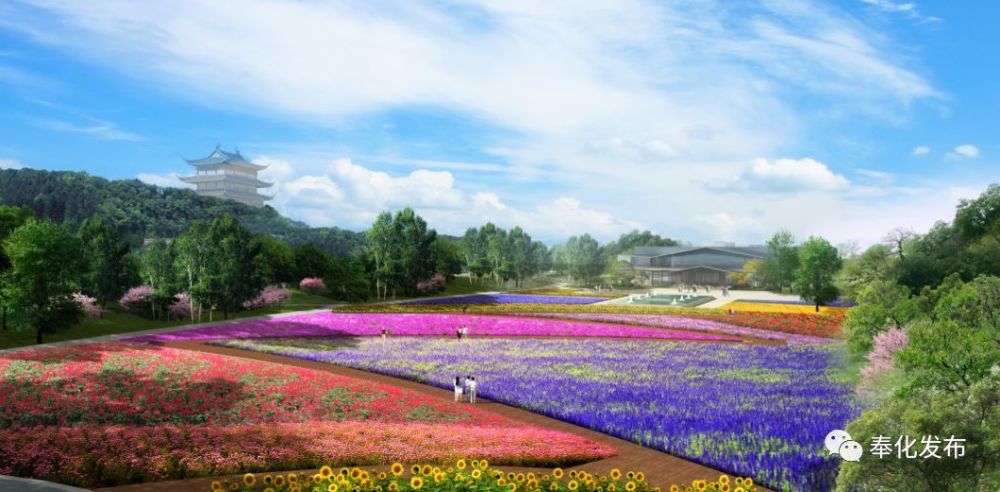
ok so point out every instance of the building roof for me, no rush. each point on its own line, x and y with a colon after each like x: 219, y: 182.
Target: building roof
x: 657, y: 251
x: 213, y: 178
x: 219, y: 157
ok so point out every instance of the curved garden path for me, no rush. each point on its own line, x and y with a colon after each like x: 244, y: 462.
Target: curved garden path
x: 661, y: 469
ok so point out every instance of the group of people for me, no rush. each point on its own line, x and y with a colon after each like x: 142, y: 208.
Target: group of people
x: 462, y: 332
x: 385, y: 333
x: 694, y: 288
x: 465, y: 389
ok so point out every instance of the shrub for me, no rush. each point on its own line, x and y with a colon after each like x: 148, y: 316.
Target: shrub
x: 137, y: 298
x: 433, y: 284
x: 88, y: 305
x: 271, y: 296
x: 312, y: 285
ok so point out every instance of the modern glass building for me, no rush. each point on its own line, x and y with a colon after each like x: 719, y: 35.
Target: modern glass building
x: 692, y: 265
x: 228, y: 175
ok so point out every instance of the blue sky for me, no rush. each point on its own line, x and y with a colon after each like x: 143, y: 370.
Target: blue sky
x: 700, y: 120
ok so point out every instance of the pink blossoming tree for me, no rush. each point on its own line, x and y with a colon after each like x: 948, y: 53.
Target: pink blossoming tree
x: 271, y: 296
x: 312, y: 285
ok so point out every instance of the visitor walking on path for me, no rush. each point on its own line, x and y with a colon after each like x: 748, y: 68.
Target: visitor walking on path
x: 472, y: 390
x: 459, y: 391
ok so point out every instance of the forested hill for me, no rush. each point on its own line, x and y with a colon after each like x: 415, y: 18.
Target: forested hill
x: 140, y: 210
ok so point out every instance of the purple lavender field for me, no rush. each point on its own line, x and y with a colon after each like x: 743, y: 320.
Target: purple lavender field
x: 759, y: 411
x: 510, y: 299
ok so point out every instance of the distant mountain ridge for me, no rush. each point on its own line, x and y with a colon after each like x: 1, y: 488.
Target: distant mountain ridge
x: 142, y: 211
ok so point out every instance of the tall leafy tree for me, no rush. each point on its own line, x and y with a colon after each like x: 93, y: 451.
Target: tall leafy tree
x: 311, y: 261
x: 981, y: 216
x: 584, y: 257
x: 46, y: 266
x: 10, y: 218
x: 819, y: 263
x: 381, y: 248
x: 279, y: 258
x: 192, y: 256
x: 475, y: 245
x: 236, y: 268
x: 158, y: 271
x: 876, y: 264
x: 401, y: 248
x: 782, y: 260
x: 111, y: 267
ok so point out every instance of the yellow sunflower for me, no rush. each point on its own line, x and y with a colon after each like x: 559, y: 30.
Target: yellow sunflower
x: 630, y: 486
x: 216, y: 485
x: 426, y: 470
x: 476, y: 473
x: 460, y: 464
x: 616, y: 473
x: 332, y: 487
x: 325, y: 471
x: 572, y: 485
x: 393, y: 486
x: 249, y: 479
x: 416, y: 483
x: 279, y: 480
x: 558, y: 473
x: 640, y: 476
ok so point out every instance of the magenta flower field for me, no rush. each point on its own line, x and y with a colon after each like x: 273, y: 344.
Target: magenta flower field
x: 372, y: 324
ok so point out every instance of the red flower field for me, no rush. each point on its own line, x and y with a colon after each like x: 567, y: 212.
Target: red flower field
x: 113, y: 414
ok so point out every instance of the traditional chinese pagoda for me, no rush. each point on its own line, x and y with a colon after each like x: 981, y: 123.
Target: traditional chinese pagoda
x: 228, y: 175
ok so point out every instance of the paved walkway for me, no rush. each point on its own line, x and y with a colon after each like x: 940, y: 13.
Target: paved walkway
x: 719, y: 301
x: 661, y: 469
x: 14, y: 484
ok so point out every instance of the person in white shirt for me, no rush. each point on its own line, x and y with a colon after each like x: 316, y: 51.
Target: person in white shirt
x: 458, y: 389
x: 472, y: 390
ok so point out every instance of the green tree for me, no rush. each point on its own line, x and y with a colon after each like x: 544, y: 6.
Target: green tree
x: 279, y: 259
x: 819, y: 263
x: 971, y: 413
x: 46, y: 267
x: 881, y: 305
x: 111, y: 267
x: 963, y: 345
x: 158, y: 271
x: 235, y: 267
x: 980, y: 217
x: 875, y: 264
x: 584, y: 257
x: 631, y: 240
x: 621, y: 273
x: 193, y: 252
x: 10, y: 218
x: 347, y: 280
x: 311, y: 261
x: 782, y: 260
x: 751, y: 273
x: 448, y: 257
x: 474, y: 247
x: 401, y: 249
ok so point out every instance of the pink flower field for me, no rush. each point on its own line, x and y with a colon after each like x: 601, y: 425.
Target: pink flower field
x: 420, y: 324
x: 102, y: 415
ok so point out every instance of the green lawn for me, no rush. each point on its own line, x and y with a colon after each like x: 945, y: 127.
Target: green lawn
x: 115, y: 322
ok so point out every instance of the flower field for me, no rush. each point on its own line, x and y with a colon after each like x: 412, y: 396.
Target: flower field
x: 461, y: 475
x: 511, y: 299
x: 760, y: 411
x: 820, y: 325
x: 681, y: 322
x: 101, y: 415
x: 781, y: 307
x: 426, y: 324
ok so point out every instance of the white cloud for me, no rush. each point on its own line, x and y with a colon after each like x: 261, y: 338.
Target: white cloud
x: 170, y: 180
x: 964, y: 151
x: 906, y: 8
x: 351, y: 195
x: 784, y: 176
x: 101, y: 129
x: 921, y: 150
x: 630, y: 106
x: 9, y: 163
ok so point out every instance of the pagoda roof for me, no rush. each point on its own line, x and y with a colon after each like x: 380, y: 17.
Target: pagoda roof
x: 216, y: 178
x: 220, y: 157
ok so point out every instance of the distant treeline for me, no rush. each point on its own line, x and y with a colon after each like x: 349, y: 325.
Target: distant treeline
x: 139, y: 211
